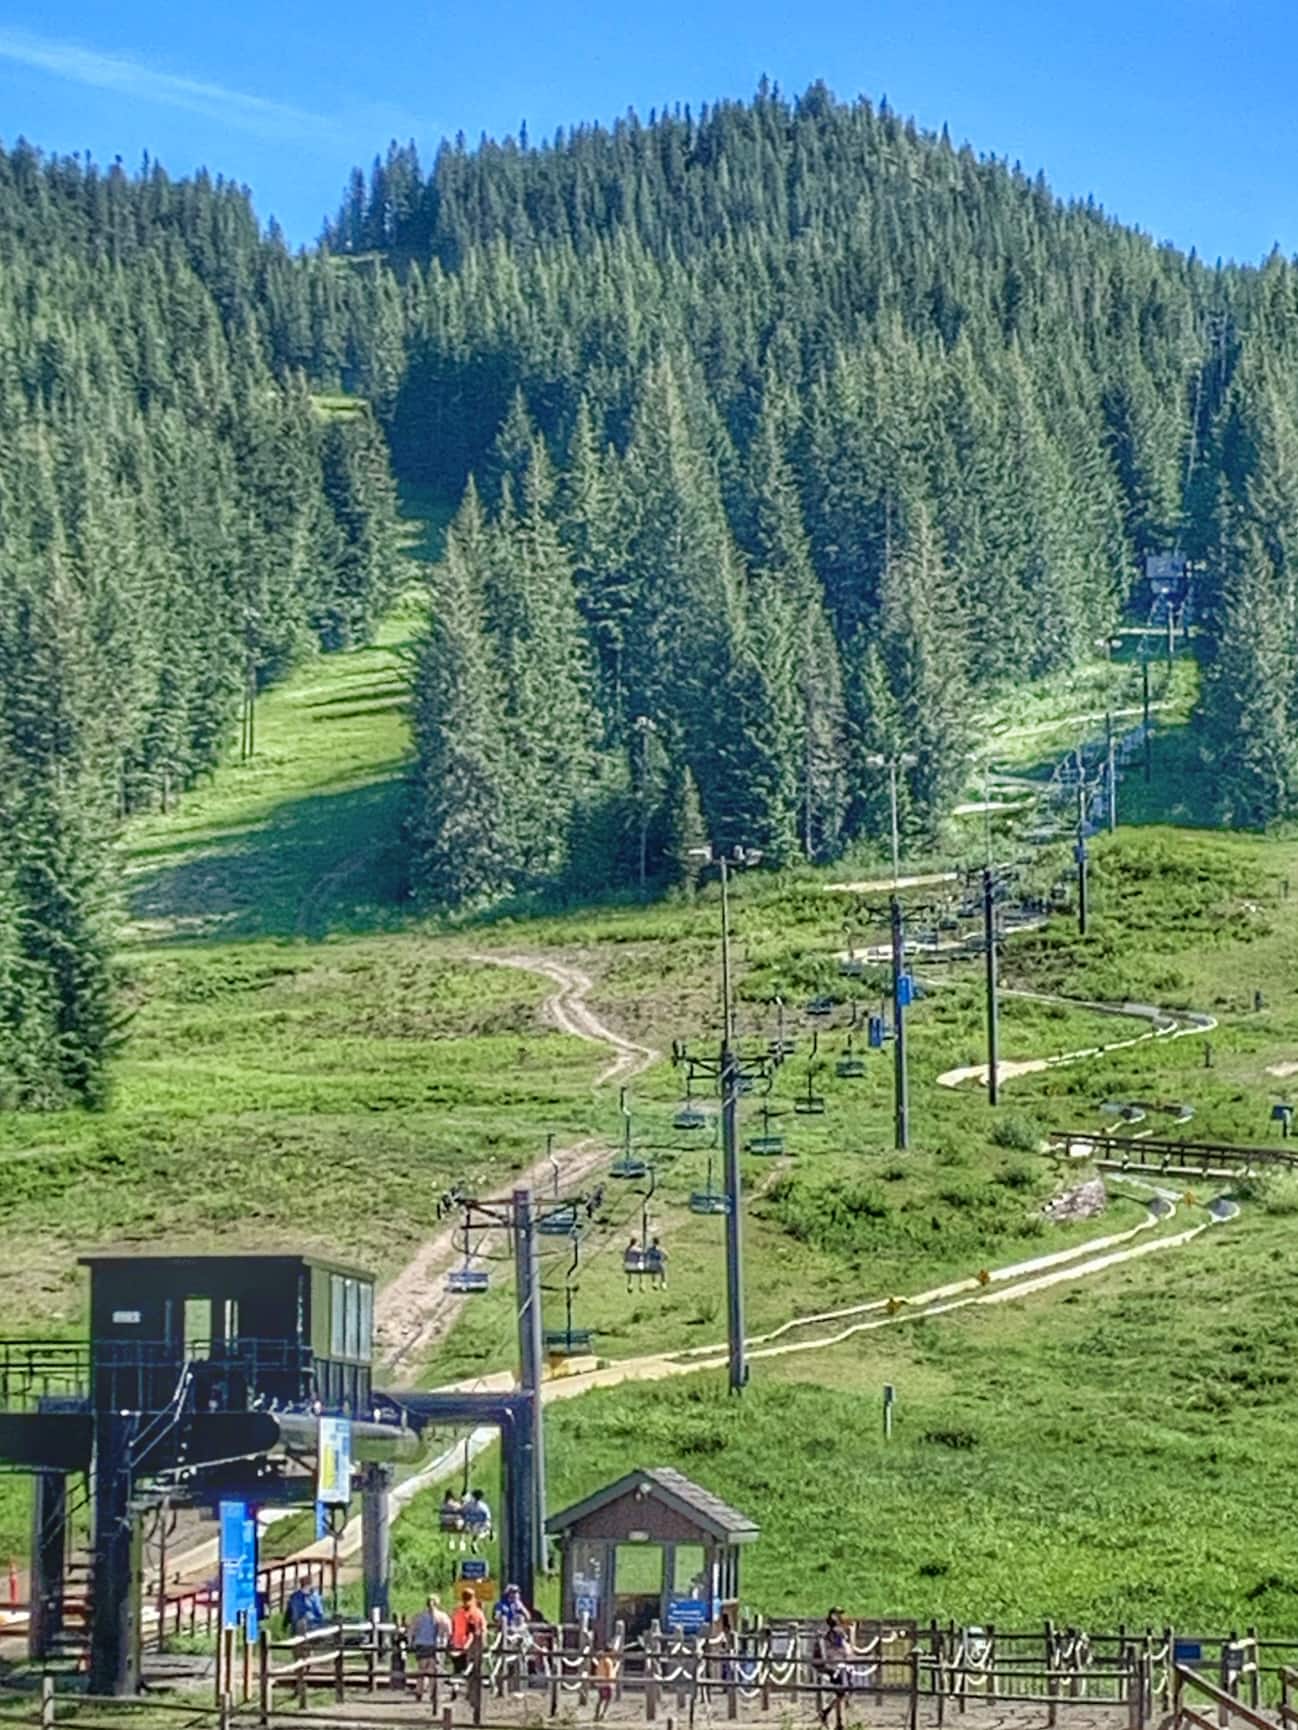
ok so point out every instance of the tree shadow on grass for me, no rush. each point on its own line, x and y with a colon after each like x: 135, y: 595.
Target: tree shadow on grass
x: 316, y: 866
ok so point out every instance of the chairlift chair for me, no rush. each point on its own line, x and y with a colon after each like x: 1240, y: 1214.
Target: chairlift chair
x: 820, y: 1006
x: 850, y: 1066
x: 810, y: 1103
x: 627, y: 1166
x: 568, y: 1341
x: 709, y: 1200
x: 690, y: 1117
x: 467, y: 1281
x: 766, y: 1144
x: 559, y: 1222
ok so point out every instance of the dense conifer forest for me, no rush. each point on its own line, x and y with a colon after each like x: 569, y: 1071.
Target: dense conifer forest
x: 785, y: 431
x: 178, y: 523
x: 778, y: 434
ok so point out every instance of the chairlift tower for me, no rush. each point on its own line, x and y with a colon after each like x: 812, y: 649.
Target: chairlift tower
x: 729, y: 1074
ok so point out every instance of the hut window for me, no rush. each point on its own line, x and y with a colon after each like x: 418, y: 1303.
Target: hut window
x: 639, y: 1569
x: 198, y: 1327
x: 337, y: 1321
x: 367, y: 1323
x: 689, y: 1572
x: 352, y: 1303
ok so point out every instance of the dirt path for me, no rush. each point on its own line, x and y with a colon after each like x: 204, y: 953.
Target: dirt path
x: 1164, y: 1024
x: 414, y: 1311
x: 568, y: 1010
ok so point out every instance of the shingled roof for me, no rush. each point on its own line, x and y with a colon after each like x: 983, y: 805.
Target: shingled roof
x: 717, y: 1519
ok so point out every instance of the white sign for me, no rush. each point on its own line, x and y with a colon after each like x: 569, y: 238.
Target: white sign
x: 334, y: 1470
x: 127, y: 1317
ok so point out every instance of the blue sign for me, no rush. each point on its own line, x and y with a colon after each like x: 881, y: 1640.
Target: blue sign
x: 1186, y: 1652
x: 585, y: 1605
x: 905, y: 990
x: 238, y: 1568
x: 875, y: 1032
x: 473, y: 1568
x: 321, y: 1521
x: 690, y: 1615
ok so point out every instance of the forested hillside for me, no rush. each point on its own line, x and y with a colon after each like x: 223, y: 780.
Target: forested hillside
x: 177, y: 524
x: 780, y: 436
x: 793, y: 430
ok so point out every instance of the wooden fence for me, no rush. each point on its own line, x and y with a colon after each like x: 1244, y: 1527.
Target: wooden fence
x: 1131, y: 1679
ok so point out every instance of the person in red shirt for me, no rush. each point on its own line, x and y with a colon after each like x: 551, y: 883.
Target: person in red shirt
x: 468, y: 1626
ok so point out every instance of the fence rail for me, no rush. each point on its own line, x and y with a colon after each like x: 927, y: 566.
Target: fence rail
x: 1133, y: 1678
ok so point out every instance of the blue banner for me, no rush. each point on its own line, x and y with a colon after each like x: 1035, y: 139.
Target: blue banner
x: 239, y: 1568
x: 690, y: 1615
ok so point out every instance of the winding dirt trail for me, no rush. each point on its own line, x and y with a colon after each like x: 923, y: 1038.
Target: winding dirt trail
x: 414, y: 1311
x: 1164, y: 1024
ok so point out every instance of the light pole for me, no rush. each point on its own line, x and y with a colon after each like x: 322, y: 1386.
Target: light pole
x: 729, y: 1070
x: 898, y: 760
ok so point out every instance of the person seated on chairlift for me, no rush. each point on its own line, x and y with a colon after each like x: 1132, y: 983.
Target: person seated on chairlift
x: 633, y: 1261
x: 655, y: 1265
x: 451, y: 1513
x: 477, y: 1516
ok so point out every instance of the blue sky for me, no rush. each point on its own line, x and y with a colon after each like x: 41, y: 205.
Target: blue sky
x: 1179, y: 115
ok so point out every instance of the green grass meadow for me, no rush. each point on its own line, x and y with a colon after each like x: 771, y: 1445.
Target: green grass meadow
x: 310, y: 1063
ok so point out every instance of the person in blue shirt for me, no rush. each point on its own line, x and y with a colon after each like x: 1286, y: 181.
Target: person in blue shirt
x: 477, y: 1517
x: 512, y: 1613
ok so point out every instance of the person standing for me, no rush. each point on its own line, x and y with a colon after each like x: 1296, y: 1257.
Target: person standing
x: 468, y: 1631
x: 429, y: 1632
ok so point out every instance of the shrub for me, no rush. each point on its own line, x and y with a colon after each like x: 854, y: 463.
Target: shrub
x: 1021, y: 1134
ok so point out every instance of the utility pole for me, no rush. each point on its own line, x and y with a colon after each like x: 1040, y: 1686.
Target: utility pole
x: 898, y: 760
x: 901, y: 1101
x: 989, y: 941
x: 1149, y: 751
x: 527, y: 1269
x: 1081, y: 853
x: 730, y: 1157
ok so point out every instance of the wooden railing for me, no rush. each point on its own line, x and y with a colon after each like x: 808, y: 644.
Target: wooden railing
x: 926, y: 1672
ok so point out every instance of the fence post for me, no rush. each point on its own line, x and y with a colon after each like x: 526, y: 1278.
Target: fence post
x: 47, y: 1701
x: 263, y: 1676
x: 695, y: 1652
x: 913, y: 1711
x: 375, y: 1615
x: 731, y: 1669
x: 1255, y: 1670
x: 476, y: 1665
x: 764, y: 1667
x: 223, y: 1711
x: 340, y: 1673
x: 652, y: 1643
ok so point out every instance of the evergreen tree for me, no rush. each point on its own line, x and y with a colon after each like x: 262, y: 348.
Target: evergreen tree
x: 462, y: 843
x: 1250, y: 701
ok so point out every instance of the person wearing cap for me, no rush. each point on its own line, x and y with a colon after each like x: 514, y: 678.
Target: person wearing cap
x: 512, y: 1614
x: 468, y: 1626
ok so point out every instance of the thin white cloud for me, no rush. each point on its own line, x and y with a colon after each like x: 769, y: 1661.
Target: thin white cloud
x: 146, y: 84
